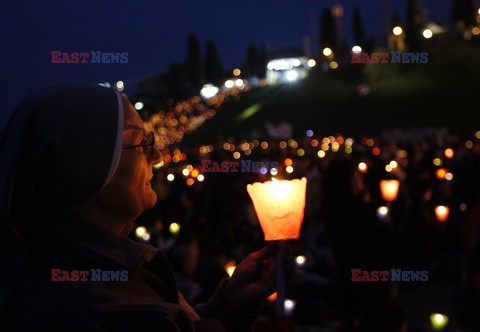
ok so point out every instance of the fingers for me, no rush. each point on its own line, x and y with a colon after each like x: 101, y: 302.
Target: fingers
x: 264, y: 253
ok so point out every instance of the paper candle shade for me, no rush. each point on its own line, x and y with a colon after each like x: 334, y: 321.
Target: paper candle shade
x: 389, y: 189
x: 279, y: 206
x: 441, y: 212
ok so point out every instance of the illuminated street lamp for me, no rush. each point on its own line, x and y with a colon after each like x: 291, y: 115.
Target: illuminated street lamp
x: 427, y: 34
x: 397, y: 31
x: 327, y: 51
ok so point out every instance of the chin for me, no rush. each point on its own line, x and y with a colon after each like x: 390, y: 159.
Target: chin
x: 151, y: 199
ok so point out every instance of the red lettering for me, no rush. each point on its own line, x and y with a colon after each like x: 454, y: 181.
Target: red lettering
x: 55, y: 57
x: 225, y: 166
x: 74, y: 276
x: 74, y: 57
x: 65, y: 58
x: 65, y: 276
x: 384, y: 57
x: 374, y: 276
x: 56, y: 275
x: 365, y: 58
x: 356, y: 58
x: 215, y: 167
x: 84, y: 275
x: 384, y: 275
x: 234, y: 165
x: 365, y: 276
x: 206, y: 166
x: 84, y: 56
x: 356, y: 275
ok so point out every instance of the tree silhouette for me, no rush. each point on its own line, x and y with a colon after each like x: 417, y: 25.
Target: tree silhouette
x: 358, y: 29
x: 194, y: 63
x: 213, y: 64
x: 251, y: 63
x: 463, y: 11
x: 416, y: 21
x: 328, y: 35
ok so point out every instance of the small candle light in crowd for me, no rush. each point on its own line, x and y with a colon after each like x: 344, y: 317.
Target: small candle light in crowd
x: 300, y: 260
x: 230, y: 267
x: 185, y: 172
x: 362, y: 167
x: 441, y: 212
x: 321, y: 154
x: 146, y: 236
x: 280, y: 208
x: 289, y: 169
x: 463, y: 207
x: 382, y: 212
x: 389, y: 189
x: 274, y: 171
x: 449, y: 176
x: 194, y: 173
x: 170, y: 177
x: 393, y: 164
x: 174, y: 228
x: 200, y: 177
x: 437, y: 162
x: 289, y: 306
x: 272, y: 297
x: 439, y: 321
x: 441, y: 173
x: 449, y: 153
x: 140, y: 231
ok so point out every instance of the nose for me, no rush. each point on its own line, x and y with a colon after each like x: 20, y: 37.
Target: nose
x: 156, y: 157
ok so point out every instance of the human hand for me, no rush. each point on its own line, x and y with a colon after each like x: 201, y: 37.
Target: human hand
x: 187, y: 308
x: 254, y: 278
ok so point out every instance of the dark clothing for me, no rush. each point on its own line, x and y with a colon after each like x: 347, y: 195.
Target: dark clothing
x: 147, y: 301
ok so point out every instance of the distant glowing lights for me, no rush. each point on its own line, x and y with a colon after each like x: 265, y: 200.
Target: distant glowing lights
x: 333, y: 65
x: 292, y: 75
x: 327, y: 51
x: 356, y: 49
x: 139, y: 105
x: 174, y: 228
x: 362, y: 167
x: 120, y: 85
x: 397, y: 31
x: 427, y: 33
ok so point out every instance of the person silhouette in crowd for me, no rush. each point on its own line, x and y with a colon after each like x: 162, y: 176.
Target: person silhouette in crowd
x: 75, y: 171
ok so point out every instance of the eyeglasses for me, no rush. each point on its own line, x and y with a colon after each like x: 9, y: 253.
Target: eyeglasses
x: 148, y: 144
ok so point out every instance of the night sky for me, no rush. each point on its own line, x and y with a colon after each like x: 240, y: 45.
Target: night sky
x: 154, y: 34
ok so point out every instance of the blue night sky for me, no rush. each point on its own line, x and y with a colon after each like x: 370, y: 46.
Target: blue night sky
x: 154, y: 34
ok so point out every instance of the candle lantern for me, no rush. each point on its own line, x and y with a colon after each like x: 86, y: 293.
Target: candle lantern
x: 279, y: 205
x: 389, y: 189
x: 441, y: 212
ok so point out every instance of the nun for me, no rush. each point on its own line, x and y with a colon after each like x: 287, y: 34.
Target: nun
x: 75, y: 171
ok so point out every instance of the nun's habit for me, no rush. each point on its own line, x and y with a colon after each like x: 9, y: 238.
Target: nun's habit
x: 61, y: 147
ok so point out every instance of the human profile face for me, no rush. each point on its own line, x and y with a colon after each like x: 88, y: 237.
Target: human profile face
x: 129, y: 192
